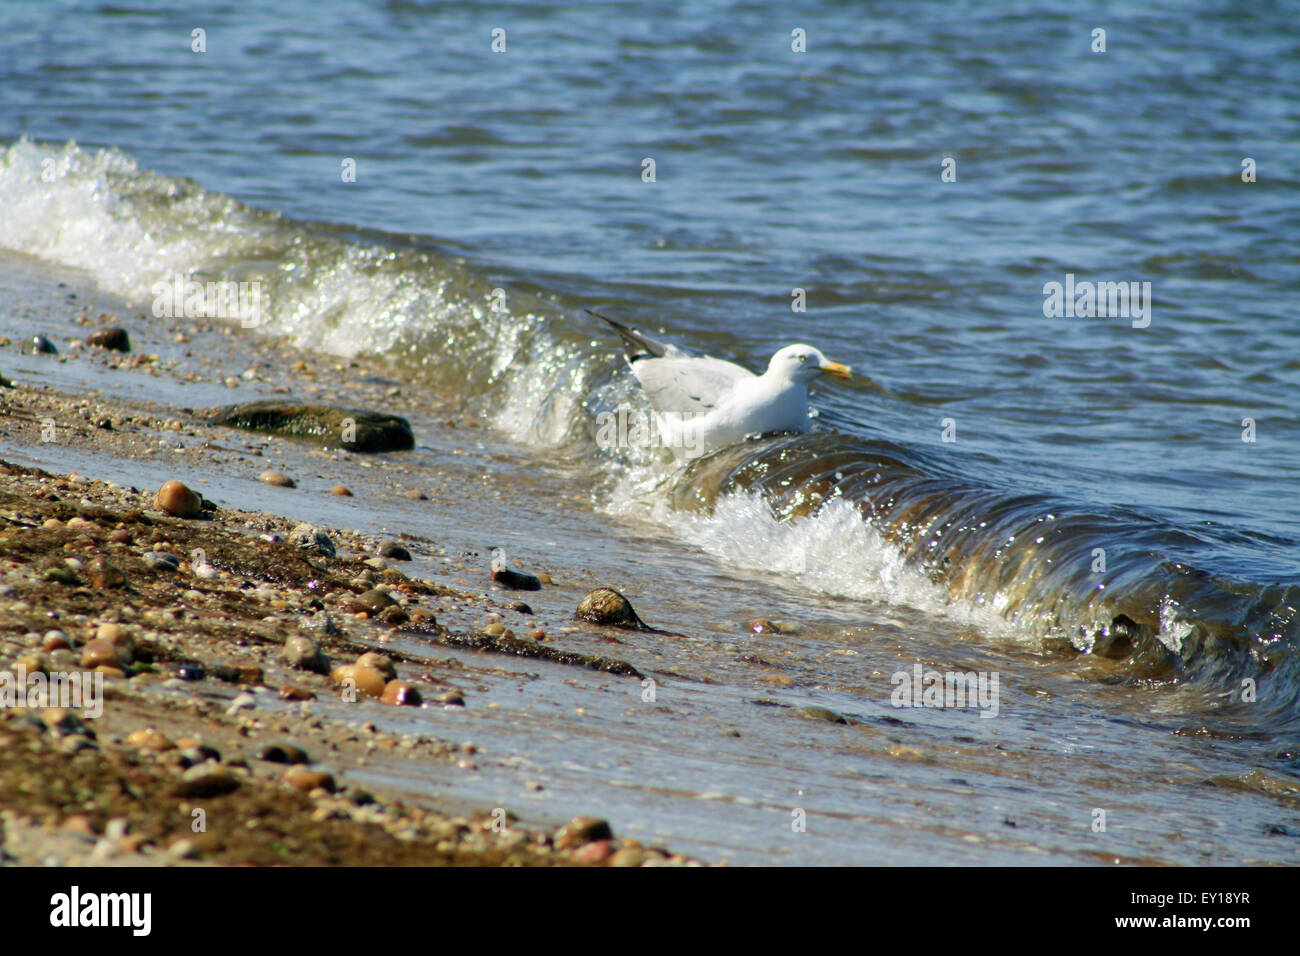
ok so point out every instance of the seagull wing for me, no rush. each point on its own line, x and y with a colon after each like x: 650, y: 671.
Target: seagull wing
x: 688, y: 384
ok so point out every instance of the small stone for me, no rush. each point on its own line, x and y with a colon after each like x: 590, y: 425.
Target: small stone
x: 516, y: 580
x: 415, y: 495
x: 110, y: 337
x: 149, y: 739
x: 395, y: 551
x: 162, y: 560
x: 451, y: 698
x: 365, y: 680
x: 283, y: 753
x: 401, y: 694
x: 105, y: 574
x: 277, y: 479
x: 597, y: 851
x: 99, y: 653
x: 302, y: 653
x: 207, y: 779
x: 520, y: 606
x: 762, y: 626
x: 582, y: 830
x: 177, y: 499
x: 55, y: 641
x: 307, y: 537
x: 375, y: 599
x: 607, y: 607
x: 303, y: 778
x: 341, y: 491
x: 43, y: 346
x: 290, y: 692
x: 376, y: 661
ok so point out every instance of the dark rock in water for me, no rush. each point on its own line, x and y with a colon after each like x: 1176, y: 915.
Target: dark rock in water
x: 43, y: 346
x: 110, y: 338
x: 520, y: 606
x: 762, y: 626
x: 391, y: 549
x: 821, y: 713
x: 516, y: 580
x: 350, y: 429
x: 5, y: 383
x: 606, y: 606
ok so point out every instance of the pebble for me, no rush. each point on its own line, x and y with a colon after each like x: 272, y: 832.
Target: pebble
x: 111, y: 337
x: 43, y: 346
x: 415, y: 495
x: 304, y: 654
x: 320, y: 623
x: 54, y: 641
x: 178, y: 499
x: 149, y: 739
x: 516, y: 580
x: 375, y: 599
x: 207, y: 779
x: 607, y: 607
x: 582, y: 830
x: 283, y: 753
x: 762, y: 626
x: 99, y: 653
x: 308, y: 537
x: 395, y: 551
x: 303, y: 778
x: 162, y: 560
x: 105, y: 574
x: 341, y: 491
x: 451, y: 698
x: 378, y: 662
x: 368, y: 682
x: 401, y: 694
x: 277, y: 479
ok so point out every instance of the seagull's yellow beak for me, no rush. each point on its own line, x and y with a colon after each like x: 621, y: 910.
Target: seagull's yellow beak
x: 836, y: 369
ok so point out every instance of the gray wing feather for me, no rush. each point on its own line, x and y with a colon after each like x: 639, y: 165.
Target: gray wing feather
x: 687, y: 384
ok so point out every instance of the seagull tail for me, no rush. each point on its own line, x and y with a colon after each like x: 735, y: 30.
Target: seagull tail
x: 638, y: 345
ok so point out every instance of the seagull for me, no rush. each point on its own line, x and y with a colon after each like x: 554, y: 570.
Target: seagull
x: 702, y: 403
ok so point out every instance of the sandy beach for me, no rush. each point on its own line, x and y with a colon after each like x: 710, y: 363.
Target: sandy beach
x: 202, y: 710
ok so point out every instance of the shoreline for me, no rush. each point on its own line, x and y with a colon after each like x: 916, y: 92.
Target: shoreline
x: 201, y: 633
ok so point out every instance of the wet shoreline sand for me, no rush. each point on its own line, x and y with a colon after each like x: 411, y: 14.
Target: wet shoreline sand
x: 205, y: 665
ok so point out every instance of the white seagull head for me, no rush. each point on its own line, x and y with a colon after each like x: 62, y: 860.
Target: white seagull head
x: 803, y: 363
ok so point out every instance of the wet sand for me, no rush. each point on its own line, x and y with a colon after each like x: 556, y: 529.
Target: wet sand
x: 203, y: 664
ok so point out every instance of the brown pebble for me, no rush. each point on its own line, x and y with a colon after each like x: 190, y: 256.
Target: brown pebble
x: 378, y: 662
x: 289, y: 692
x: 277, y: 478
x: 401, y: 694
x: 98, y: 653
x: 55, y: 642
x: 302, y: 778
x: 110, y: 337
x: 537, y: 634
x: 367, y: 681
x: 597, y: 851
x: 177, y: 499
x: 120, y: 536
x: 149, y: 739
x: 340, y: 490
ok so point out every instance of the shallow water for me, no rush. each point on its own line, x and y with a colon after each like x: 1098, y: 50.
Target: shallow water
x: 775, y: 170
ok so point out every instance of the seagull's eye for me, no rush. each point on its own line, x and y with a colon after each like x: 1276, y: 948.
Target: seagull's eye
x: 803, y: 358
